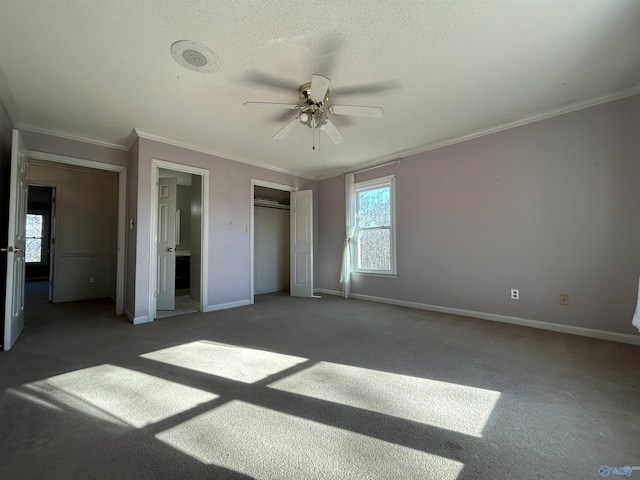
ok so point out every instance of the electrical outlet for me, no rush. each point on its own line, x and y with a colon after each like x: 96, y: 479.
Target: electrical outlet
x: 92, y: 279
x: 515, y: 294
x: 563, y: 298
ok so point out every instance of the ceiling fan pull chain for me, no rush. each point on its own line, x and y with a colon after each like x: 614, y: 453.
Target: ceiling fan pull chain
x: 313, y: 133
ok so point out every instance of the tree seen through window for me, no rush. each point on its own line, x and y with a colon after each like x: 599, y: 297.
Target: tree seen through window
x: 34, y: 235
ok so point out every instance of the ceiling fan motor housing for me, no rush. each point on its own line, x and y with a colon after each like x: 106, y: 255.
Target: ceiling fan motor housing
x: 305, y: 95
x: 312, y: 108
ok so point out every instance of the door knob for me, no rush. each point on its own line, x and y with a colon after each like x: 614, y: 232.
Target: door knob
x: 169, y: 249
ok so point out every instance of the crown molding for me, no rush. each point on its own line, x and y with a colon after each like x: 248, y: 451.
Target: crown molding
x: 567, y: 108
x: 131, y: 139
x: 70, y: 136
x: 136, y: 133
x: 157, y: 138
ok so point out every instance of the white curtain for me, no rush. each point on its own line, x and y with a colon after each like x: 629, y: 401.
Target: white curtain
x: 350, y: 227
x: 636, y: 316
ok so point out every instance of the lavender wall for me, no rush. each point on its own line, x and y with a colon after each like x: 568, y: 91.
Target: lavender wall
x: 72, y: 148
x: 5, y: 171
x: 550, y: 207
x: 229, y: 211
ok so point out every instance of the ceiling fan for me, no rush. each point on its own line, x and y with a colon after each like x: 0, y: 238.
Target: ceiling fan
x: 313, y: 110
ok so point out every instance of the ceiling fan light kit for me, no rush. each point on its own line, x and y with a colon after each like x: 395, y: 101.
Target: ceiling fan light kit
x: 314, y: 110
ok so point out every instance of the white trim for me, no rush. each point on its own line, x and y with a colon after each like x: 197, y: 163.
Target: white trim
x: 374, y: 274
x: 121, y: 170
x: 566, y: 108
x: 225, y: 306
x: 81, y: 162
x: 326, y: 291
x: 70, y: 136
x: 153, y: 247
x: 141, y: 320
x: 275, y: 186
x: 128, y: 315
x: 209, y: 151
x: 524, y: 322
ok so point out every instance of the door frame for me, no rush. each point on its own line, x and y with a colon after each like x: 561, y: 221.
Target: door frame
x: 261, y: 183
x: 55, y: 187
x: 156, y: 165
x: 121, y: 170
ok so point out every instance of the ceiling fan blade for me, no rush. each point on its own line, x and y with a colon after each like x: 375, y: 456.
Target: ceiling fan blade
x: 290, y: 106
x: 319, y: 87
x: 286, y: 129
x: 263, y: 79
x: 367, y: 88
x: 374, y: 112
x: 333, y: 133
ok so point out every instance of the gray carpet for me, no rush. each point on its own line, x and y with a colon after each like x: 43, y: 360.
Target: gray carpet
x: 311, y: 388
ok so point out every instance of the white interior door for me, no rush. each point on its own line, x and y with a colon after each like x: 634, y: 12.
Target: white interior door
x: 166, y: 288
x: 301, y: 282
x: 18, y: 196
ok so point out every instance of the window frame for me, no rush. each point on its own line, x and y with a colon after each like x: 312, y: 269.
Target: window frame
x: 373, y: 184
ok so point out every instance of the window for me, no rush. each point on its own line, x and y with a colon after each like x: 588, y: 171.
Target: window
x: 375, y: 250
x: 34, y: 239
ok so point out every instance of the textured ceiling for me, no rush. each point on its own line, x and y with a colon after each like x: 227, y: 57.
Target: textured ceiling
x: 441, y: 70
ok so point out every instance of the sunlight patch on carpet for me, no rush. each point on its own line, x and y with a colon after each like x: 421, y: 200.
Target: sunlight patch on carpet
x: 454, y: 407
x: 241, y: 364
x: 266, y: 444
x: 135, y: 398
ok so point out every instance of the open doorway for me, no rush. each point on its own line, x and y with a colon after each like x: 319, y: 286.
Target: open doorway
x: 270, y: 241
x: 40, y: 239
x: 22, y: 174
x: 178, y: 240
x: 179, y: 221
x: 93, y: 197
x: 72, y: 231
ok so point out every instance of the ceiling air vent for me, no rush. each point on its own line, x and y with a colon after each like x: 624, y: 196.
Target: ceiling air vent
x: 194, y: 56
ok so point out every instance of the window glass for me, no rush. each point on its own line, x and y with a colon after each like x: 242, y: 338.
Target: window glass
x: 374, y: 244
x: 374, y: 208
x: 375, y: 249
x: 34, y: 233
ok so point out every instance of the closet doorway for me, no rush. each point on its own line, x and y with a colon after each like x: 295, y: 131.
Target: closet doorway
x: 270, y: 240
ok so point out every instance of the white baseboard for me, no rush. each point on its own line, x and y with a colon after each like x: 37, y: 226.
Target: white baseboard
x: 137, y: 320
x: 142, y: 319
x: 554, y: 327
x: 327, y: 292
x: 224, y: 306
